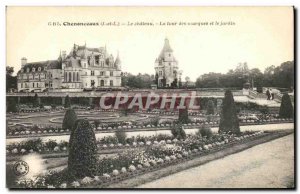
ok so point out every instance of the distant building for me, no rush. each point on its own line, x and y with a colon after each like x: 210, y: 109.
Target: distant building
x: 166, y: 68
x: 83, y: 68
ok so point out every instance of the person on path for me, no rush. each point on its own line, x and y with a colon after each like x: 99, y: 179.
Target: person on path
x: 268, y: 94
x: 272, y: 94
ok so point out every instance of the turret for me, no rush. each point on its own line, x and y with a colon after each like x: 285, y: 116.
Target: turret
x: 63, y: 55
x: 118, y: 62
x: 23, y: 61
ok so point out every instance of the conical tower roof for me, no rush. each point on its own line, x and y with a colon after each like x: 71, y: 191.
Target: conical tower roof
x: 166, y: 48
x: 117, y: 61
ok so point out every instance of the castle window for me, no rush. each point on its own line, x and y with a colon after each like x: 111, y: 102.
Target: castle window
x: 33, y: 69
x: 28, y: 70
x: 39, y: 69
x: 92, y: 73
x: 77, y: 76
x: 70, y: 77
x: 37, y: 85
x: 21, y: 85
x: 102, y: 73
x: 33, y: 84
x: 73, y: 76
x: 65, y: 78
x: 111, y: 83
x: 97, y: 59
x: 102, y: 83
x: 160, y: 73
x: 111, y: 73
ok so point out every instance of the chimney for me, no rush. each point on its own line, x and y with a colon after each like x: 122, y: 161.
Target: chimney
x: 23, y: 61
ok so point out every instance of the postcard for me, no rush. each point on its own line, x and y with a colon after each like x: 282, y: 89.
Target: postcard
x: 150, y: 97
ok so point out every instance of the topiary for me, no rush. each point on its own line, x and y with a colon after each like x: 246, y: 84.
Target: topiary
x: 121, y: 136
x: 286, y: 107
x: 205, y: 131
x: 36, y: 102
x: 82, y: 160
x: 183, y: 116
x: 229, y: 121
x: 210, y: 108
x: 67, y: 102
x: 69, y: 119
x: 178, y: 131
x: 11, y: 105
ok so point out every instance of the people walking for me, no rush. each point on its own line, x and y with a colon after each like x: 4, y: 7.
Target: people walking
x: 268, y: 94
x: 272, y: 94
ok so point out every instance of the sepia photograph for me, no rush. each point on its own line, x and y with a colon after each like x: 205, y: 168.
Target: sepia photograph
x: 173, y: 97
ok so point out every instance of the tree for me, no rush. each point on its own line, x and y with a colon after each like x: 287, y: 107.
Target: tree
x: 210, y: 110
x: 286, y: 107
x: 187, y: 80
x: 11, y: 81
x: 183, y: 116
x: 179, y: 83
x: 69, y: 120
x: 36, y: 102
x: 11, y: 105
x: 82, y: 160
x: 229, y: 121
x: 67, y: 102
x: 156, y: 79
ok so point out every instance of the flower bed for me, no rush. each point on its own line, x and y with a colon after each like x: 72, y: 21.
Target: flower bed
x: 132, y: 163
x: 36, y: 131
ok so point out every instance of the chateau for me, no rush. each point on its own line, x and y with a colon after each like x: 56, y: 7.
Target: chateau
x: 166, y: 68
x: 83, y: 68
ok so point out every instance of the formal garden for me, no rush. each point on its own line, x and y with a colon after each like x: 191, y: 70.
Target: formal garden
x: 131, y: 156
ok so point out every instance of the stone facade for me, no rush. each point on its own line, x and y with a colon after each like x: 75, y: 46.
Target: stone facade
x: 166, y: 67
x: 82, y: 69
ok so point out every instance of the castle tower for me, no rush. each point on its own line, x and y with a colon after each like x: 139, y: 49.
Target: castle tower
x: 23, y: 61
x: 166, y: 67
x: 118, y: 62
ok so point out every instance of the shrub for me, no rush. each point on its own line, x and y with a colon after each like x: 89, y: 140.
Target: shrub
x: 210, y: 108
x: 286, y: 107
x: 11, y: 105
x: 69, y: 119
x: 36, y: 101
x: 82, y: 158
x: 51, y: 144
x: 183, y: 116
x: 34, y: 144
x: 178, y: 131
x: 205, y: 131
x: 67, y: 102
x: 229, y: 121
x: 121, y: 136
x: 96, y: 123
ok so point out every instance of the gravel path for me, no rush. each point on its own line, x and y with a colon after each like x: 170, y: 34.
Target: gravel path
x: 268, y: 165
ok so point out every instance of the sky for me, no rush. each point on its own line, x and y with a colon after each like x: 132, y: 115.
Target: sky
x: 260, y: 36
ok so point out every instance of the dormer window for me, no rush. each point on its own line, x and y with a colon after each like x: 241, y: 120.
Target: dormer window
x: 28, y: 70
x: 39, y: 69
x: 33, y: 69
